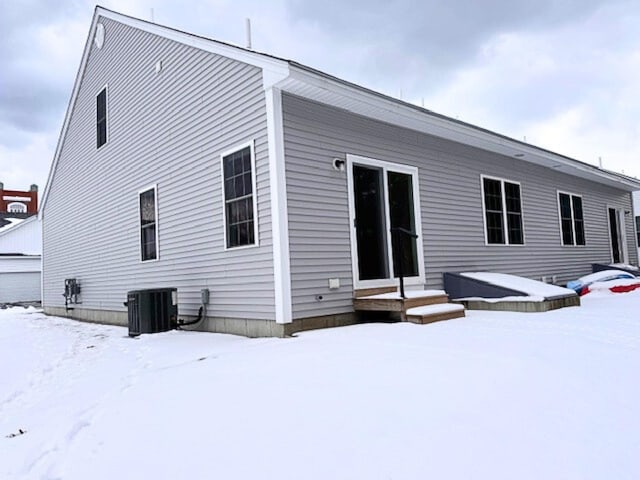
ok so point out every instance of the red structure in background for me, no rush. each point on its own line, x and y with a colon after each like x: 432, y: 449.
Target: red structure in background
x: 18, y: 203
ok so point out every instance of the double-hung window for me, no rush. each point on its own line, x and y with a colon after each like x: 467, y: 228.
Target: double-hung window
x: 571, y: 219
x: 148, y: 224
x: 101, y: 117
x: 638, y: 230
x: 502, y: 212
x: 239, y: 197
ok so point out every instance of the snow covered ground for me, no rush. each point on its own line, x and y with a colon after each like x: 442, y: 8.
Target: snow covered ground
x: 496, y: 395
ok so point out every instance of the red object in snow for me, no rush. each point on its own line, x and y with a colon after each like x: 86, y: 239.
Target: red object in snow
x: 615, y: 289
x: 625, y: 288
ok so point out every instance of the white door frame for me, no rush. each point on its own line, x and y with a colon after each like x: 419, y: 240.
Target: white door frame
x: 394, y: 167
x: 621, y: 233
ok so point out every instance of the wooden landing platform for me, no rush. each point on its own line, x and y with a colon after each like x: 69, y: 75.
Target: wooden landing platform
x: 419, y: 306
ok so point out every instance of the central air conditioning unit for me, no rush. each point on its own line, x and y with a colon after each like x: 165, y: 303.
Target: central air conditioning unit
x: 151, y: 311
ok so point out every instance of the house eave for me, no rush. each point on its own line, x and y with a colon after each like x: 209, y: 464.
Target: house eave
x: 318, y: 86
x: 306, y: 82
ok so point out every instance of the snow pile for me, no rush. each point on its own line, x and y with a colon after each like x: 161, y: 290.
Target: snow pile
x: 532, y: 288
x: 620, y: 285
x: 615, y: 281
x: 496, y: 395
x: 603, y: 276
x: 626, y: 266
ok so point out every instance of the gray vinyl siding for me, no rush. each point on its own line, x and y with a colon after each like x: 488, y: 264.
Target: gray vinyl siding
x: 165, y: 129
x: 450, y: 200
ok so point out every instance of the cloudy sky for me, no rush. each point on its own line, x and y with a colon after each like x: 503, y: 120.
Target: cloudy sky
x: 562, y: 74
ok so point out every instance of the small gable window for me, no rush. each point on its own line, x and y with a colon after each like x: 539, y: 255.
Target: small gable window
x: 502, y: 212
x: 571, y: 219
x: 101, y: 117
x: 148, y: 225
x: 239, y: 197
x: 17, y: 207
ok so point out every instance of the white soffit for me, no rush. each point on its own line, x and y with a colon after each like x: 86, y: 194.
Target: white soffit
x: 341, y: 94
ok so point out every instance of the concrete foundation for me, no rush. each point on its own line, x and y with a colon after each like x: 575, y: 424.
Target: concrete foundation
x: 235, y: 326
x: 106, y: 317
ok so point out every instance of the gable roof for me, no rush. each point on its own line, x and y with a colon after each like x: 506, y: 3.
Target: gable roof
x: 298, y: 79
x: 23, y: 237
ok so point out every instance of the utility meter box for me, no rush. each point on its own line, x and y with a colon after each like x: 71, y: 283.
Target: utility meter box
x: 151, y: 311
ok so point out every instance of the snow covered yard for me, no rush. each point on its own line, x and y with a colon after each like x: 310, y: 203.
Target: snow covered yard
x: 496, y: 395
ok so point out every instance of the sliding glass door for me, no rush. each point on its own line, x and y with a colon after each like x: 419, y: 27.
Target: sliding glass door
x: 384, y: 213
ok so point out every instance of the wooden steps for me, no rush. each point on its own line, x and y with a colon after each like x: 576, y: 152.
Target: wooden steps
x: 434, y: 313
x: 419, y: 306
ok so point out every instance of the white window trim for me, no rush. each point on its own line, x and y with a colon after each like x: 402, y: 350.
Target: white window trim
x: 395, y: 167
x: 573, y: 219
x: 153, y: 187
x: 95, y: 116
x: 505, y: 224
x: 254, y: 194
x: 22, y: 205
x: 621, y: 221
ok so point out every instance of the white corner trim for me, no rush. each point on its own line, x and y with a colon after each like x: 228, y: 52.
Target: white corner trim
x: 279, y: 214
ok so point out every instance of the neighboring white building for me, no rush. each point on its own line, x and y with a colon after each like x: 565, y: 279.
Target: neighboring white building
x: 21, y: 261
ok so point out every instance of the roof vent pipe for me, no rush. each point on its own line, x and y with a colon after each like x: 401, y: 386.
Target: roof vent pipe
x: 248, y: 29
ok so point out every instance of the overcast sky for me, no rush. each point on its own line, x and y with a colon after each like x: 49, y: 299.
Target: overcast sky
x: 562, y: 74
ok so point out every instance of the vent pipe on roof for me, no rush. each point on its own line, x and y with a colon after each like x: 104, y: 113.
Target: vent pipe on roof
x: 600, y: 161
x: 248, y: 29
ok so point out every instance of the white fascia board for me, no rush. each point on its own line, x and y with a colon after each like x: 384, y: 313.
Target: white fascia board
x: 274, y: 70
x: 359, y: 100
x: 279, y: 212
